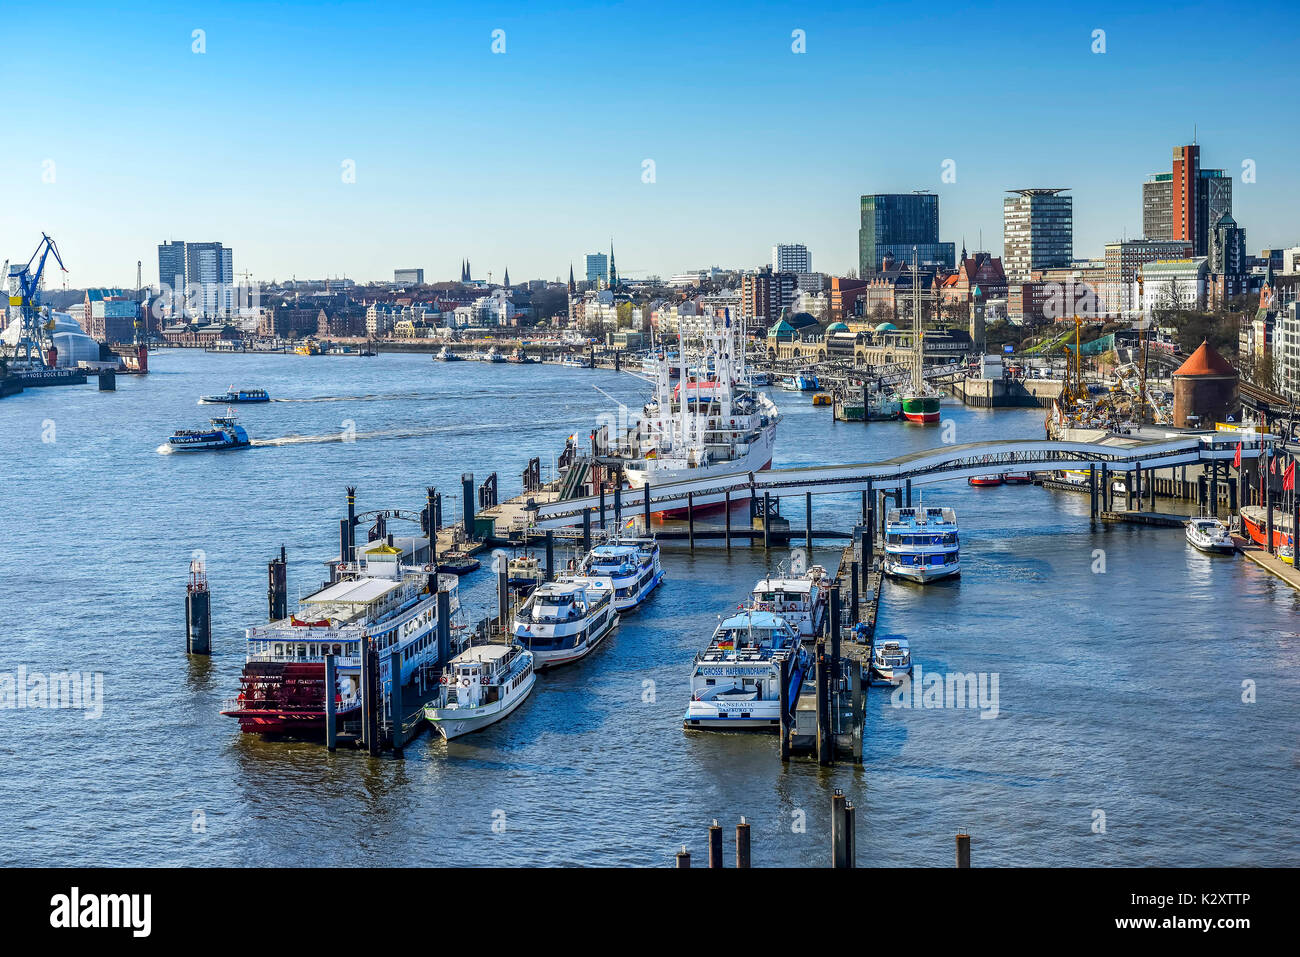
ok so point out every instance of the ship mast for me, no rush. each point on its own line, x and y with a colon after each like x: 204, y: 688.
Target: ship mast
x: 917, y: 348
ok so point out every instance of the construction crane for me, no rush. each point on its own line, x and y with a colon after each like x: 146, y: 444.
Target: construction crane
x: 25, y: 293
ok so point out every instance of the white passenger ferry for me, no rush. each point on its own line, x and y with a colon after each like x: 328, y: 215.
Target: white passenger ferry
x: 480, y: 686
x: 736, y: 681
x: 563, y: 620
x: 632, y: 564
x: 798, y: 597
x: 921, y: 544
x: 891, y: 661
x: 376, y: 598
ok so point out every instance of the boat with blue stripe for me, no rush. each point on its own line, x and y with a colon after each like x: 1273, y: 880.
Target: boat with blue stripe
x: 736, y: 681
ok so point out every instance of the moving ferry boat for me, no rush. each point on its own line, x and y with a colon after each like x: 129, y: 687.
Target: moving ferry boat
x: 891, y: 661
x: 479, y: 687
x: 631, y: 564
x: 702, y: 426
x: 235, y: 396
x: 563, y: 620
x: 377, y: 598
x: 1210, y: 535
x: 736, y: 681
x: 921, y: 543
x: 797, y: 597
x: 224, y: 434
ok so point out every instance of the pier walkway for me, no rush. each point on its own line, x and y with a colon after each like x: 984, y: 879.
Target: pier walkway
x: 916, y: 468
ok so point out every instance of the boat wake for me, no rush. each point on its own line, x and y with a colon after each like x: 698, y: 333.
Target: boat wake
x: 392, y: 433
x: 164, y: 449
x: 370, y: 397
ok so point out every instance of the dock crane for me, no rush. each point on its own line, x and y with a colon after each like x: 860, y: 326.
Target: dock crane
x: 25, y: 293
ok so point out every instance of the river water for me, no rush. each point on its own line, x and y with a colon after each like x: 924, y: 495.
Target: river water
x: 1146, y: 712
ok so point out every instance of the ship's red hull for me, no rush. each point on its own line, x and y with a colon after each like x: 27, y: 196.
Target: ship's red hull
x: 281, y: 698
x: 982, y: 482
x: 1259, y: 533
x: 922, y: 418
x: 714, y: 508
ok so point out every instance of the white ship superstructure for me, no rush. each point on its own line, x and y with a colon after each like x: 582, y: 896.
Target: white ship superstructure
x: 563, y: 620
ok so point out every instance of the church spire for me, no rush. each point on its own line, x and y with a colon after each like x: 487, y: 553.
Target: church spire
x: 506, y: 280
x: 613, y: 273
x: 572, y: 287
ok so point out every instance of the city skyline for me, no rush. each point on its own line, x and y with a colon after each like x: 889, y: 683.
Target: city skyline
x: 489, y: 165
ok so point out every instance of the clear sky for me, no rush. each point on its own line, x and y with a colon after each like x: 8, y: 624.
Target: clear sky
x: 532, y: 157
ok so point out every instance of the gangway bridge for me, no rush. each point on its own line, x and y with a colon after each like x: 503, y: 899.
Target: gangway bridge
x: 916, y: 468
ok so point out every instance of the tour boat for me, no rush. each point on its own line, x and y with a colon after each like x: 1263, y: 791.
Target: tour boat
x: 982, y: 481
x: 736, y: 681
x: 891, y: 661
x: 563, y: 620
x: 493, y: 355
x: 1210, y: 535
x: 631, y: 564
x: 822, y: 398
x: 457, y: 562
x: 719, y: 428
x: 1018, y: 478
x: 1254, y: 522
x: 479, y: 687
x: 225, y: 433
x: 446, y: 355
x: 575, y: 362
x: 798, y: 382
x: 921, y: 544
x: 378, y: 599
x: 235, y: 396
x: 797, y: 596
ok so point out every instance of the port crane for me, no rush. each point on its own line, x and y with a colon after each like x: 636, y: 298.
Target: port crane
x: 25, y: 293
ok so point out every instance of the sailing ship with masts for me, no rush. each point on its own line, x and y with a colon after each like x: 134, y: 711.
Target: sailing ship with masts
x: 920, y: 401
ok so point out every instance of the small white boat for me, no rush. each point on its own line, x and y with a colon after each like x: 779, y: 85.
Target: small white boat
x: 525, y: 572
x: 563, y: 620
x: 480, y: 686
x: 1210, y: 535
x: 891, y: 661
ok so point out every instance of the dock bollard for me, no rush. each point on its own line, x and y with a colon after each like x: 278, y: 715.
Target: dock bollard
x: 397, y: 714
x: 963, y: 850
x: 331, y: 689
x: 277, y: 588
x: 715, y: 844
x: 683, y: 858
x: 198, y: 610
x: 550, y: 555
x: 742, y: 843
x: 108, y: 381
x: 850, y: 835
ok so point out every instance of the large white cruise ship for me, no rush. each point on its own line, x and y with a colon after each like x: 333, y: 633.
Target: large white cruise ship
x: 707, y: 422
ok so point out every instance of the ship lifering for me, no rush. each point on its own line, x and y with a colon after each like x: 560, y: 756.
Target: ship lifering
x: 464, y: 682
x: 428, y: 568
x: 442, y: 679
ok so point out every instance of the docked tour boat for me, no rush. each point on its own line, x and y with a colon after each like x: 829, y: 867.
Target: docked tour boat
x: 1210, y: 535
x: 1254, y: 522
x: 736, y: 681
x: 454, y: 561
x: 984, y: 481
x: 921, y: 544
x: 799, y: 597
x: 225, y: 433
x: 798, y: 382
x: 525, y: 572
x: 378, y: 599
x: 891, y: 661
x: 479, y: 687
x: 631, y: 564
x: 562, y: 621
x: 236, y: 397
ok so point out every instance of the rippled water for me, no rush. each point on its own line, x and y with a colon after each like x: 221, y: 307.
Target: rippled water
x: 1119, y: 692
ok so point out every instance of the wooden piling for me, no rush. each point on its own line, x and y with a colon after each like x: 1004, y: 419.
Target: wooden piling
x: 396, y: 713
x: 690, y: 518
x: 807, y: 528
x: 277, y: 587
x: 550, y: 555
x: 767, y: 525
x: 602, y: 505
x: 909, y: 493
x: 839, y: 849
x: 683, y: 858
x: 850, y: 835
x: 783, y: 693
x: 1214, y: 489
x: 1092, y: 492
x: 645, y: 506
x: 727, y: 513
x: 825, y: 742
x: 586, y: 530
x: 715, y: 844
x: 853, y: 593
x: 444, y: 626
x: 963, y: 850
x: 331, y: 689
x: 198, y: 611
x: 742, y: 843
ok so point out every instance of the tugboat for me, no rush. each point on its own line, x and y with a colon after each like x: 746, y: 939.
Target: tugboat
x: 458, y: 562
x: 224, y: 434
x: 562, y: 621
x: 446, y: 355
x: 480, y: 686
x: 525, y: 572
x: 236, y: 396
x: 1210, y: 535
x: 736, y: 681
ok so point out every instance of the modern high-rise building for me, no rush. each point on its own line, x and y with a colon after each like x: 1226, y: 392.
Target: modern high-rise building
x: 597, y: 267
x: 1037, y: 231
x: 1187, y: 202
x: 201, y: 277
x: 171, y: 265
x: 1123, y: 261
x: 893, y: 224
x: 791, y: 257
x: 408, y: 277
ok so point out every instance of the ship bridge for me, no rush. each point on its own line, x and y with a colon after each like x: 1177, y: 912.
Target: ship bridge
x: 946, y: 463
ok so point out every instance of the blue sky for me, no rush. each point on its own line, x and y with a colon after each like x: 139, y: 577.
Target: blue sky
x: 530, y: 158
